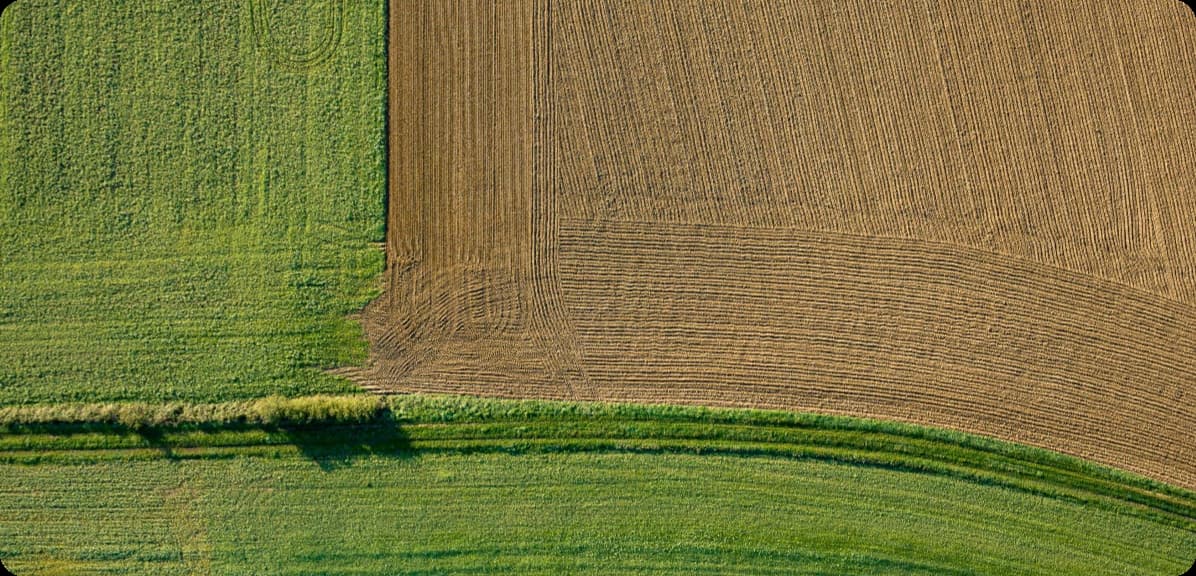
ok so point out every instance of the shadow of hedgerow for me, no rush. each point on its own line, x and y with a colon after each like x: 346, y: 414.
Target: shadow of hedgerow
x: 330, y: 430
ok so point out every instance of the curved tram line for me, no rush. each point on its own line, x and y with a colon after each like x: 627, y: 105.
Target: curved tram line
x: 266, y: 40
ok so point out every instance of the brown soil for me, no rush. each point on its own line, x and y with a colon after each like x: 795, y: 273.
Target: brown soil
x: 976, y: 218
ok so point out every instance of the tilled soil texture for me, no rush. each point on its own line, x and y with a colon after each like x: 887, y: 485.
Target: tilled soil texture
x: 973, y: 216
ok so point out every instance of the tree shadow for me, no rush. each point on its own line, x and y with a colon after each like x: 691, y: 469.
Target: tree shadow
x: 156, y: 438
x: 153, y: 437
x: 330, y: 445
x: 338, y: 446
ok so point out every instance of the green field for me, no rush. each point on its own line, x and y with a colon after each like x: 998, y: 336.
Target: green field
x: 442, y: 485
x: 186, y: 206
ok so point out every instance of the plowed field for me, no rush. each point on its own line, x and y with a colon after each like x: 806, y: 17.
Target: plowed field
x: 977, y: 217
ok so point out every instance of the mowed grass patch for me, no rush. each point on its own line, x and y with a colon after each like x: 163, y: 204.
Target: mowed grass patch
x: 185, y: 212
x: 413, y: 485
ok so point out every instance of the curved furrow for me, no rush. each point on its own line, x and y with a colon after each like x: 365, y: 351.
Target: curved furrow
x: 895, y: 328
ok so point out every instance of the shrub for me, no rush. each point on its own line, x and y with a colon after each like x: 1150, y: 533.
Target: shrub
x: 278, y: 411
x: 270, y: 411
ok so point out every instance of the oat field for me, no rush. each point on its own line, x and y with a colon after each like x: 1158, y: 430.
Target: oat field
x: 186, y: 208
x: 977, y: 217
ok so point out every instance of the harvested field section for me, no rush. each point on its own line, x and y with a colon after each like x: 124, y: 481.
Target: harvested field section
x: 461, y: 189
x: 1059, y: 132
x: 472, y: 298
x: 972, y: 217
x: 898, y: 329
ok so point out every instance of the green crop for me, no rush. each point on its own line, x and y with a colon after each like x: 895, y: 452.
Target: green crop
x: 188, y: 210
x: 418, y: 485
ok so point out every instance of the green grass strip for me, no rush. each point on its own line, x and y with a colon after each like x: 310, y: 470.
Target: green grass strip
x: 340, y: 428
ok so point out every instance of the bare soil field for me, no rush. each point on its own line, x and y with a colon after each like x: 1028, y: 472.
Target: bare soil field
x: 980, y: 217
